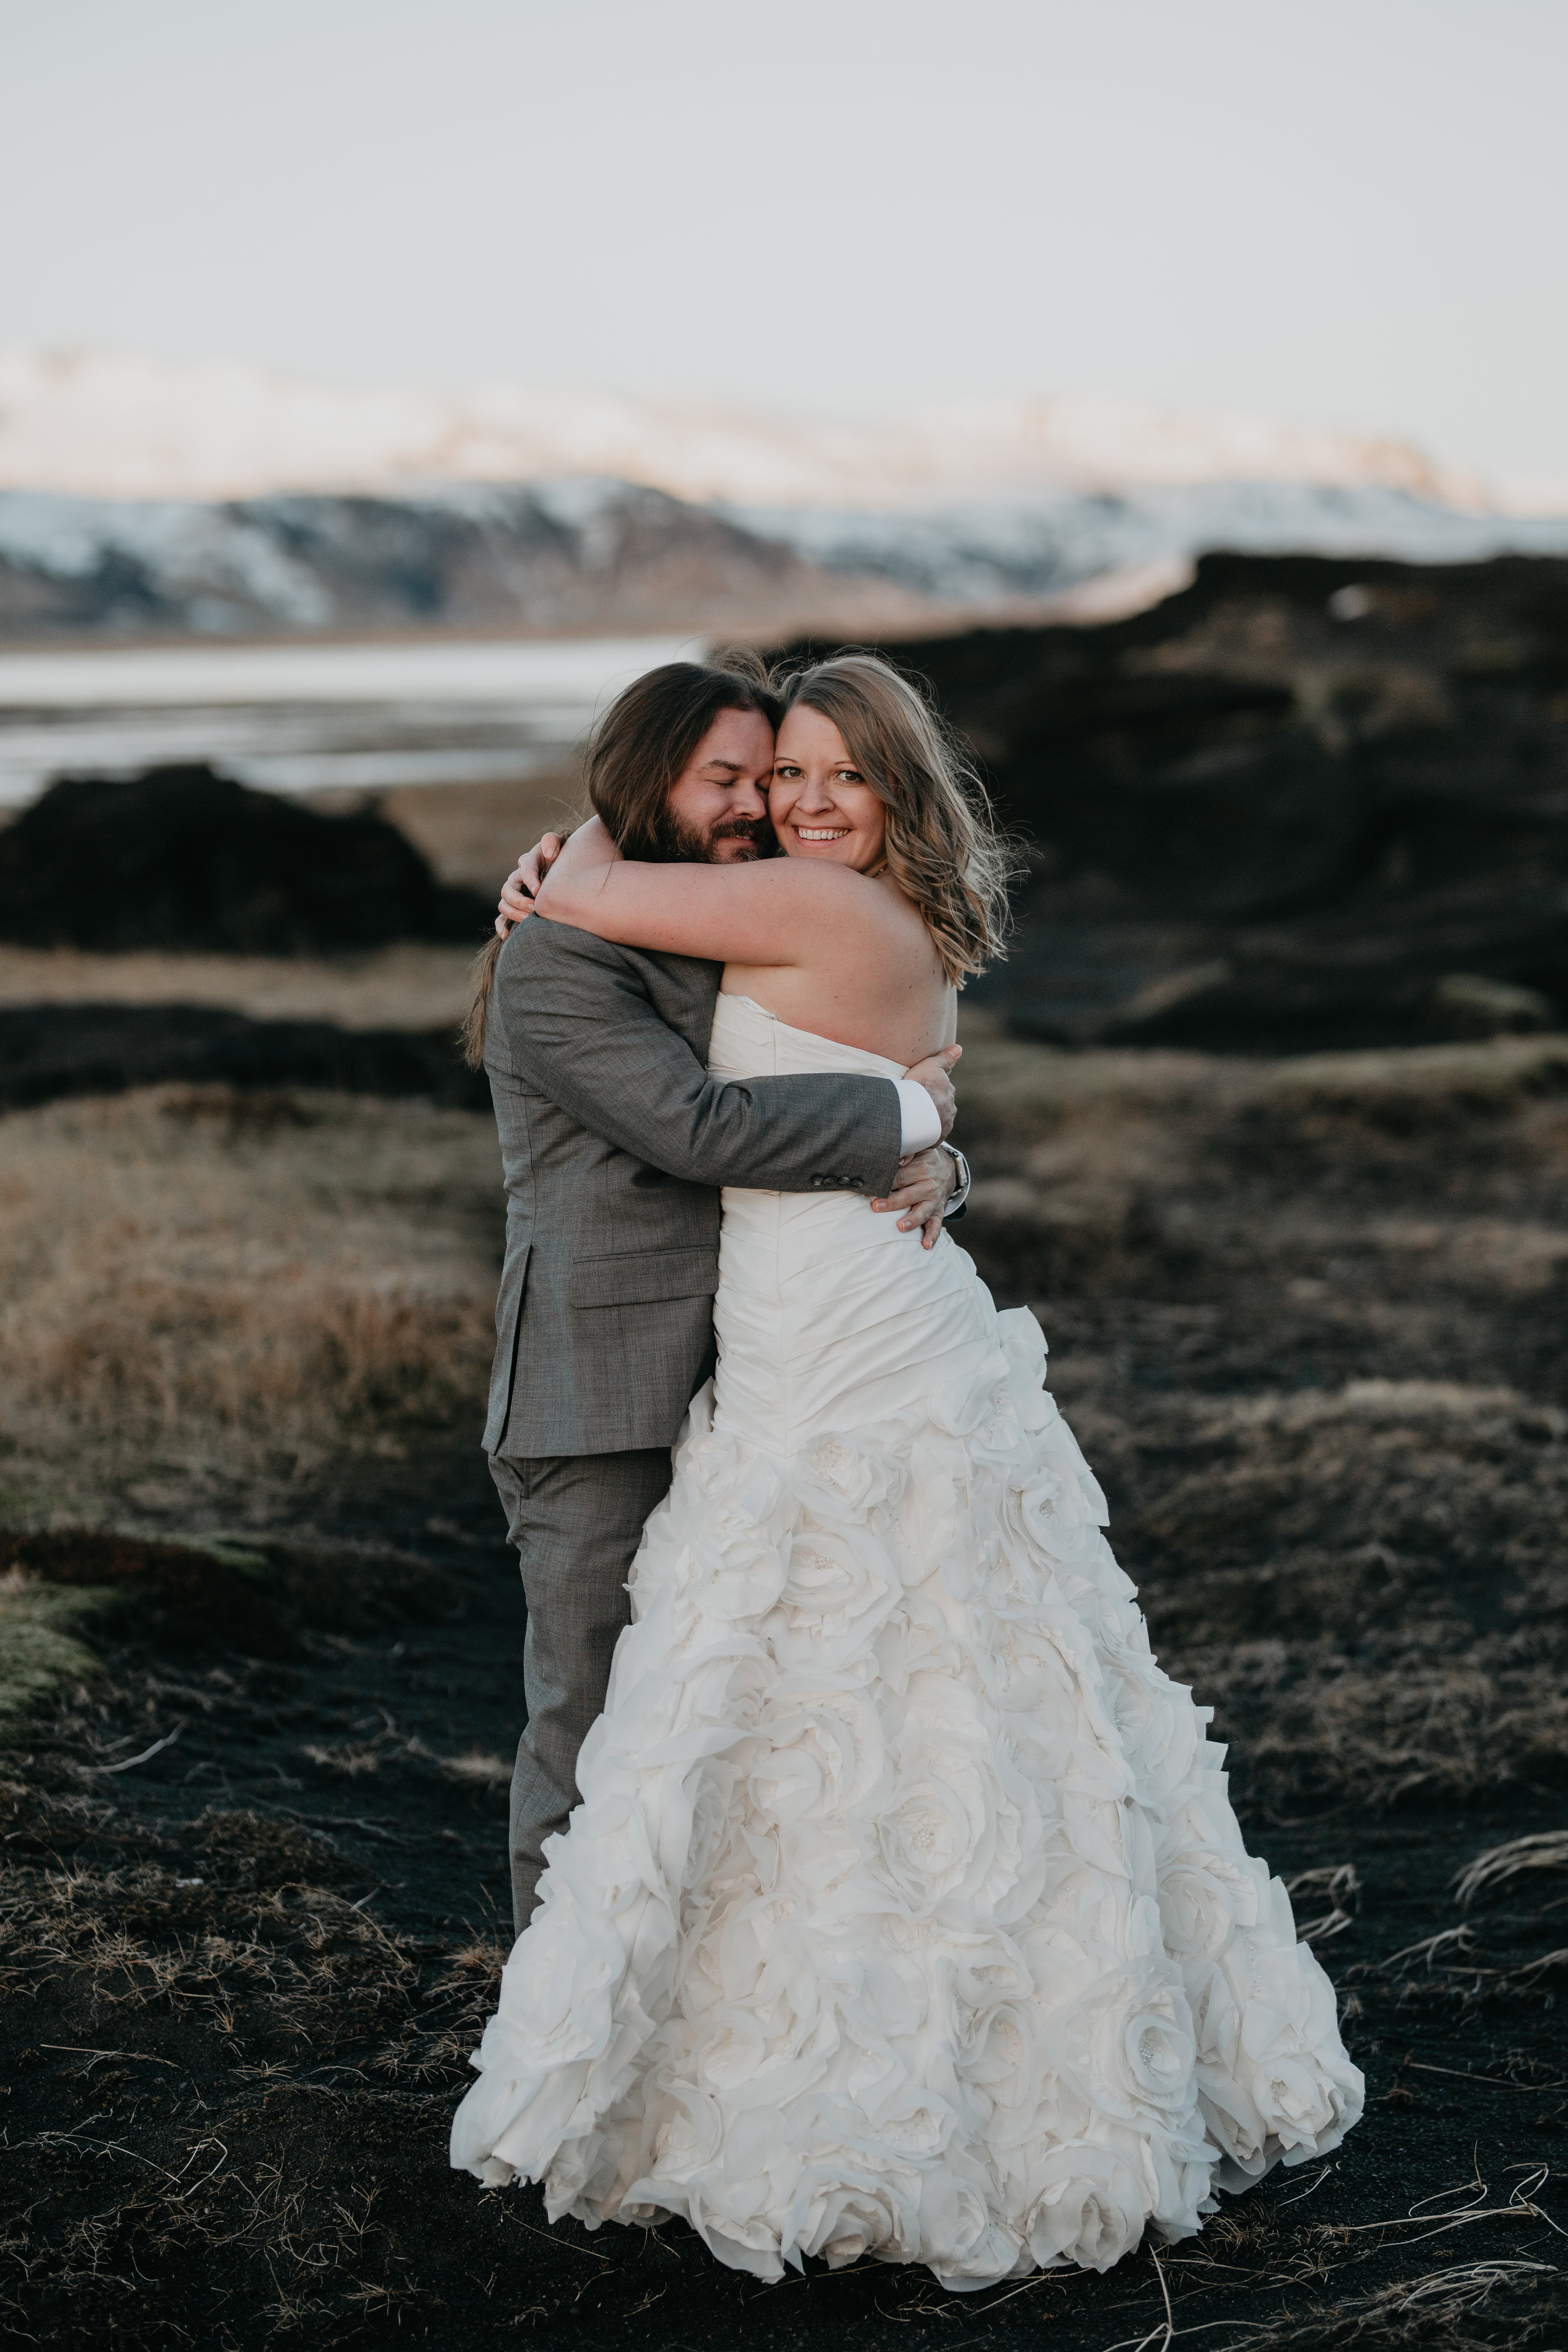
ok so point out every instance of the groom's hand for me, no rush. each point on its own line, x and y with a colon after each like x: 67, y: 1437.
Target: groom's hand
x: 933, y: 1074
x: 521, y: 885
x: 920, y: 1194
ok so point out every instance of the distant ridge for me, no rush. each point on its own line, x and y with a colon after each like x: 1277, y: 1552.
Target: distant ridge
x: 144, y: 496
x: 594, y: 557
x: 600, y: 556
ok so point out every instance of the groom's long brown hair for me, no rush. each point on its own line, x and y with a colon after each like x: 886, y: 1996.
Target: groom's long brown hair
x: 637, y: 751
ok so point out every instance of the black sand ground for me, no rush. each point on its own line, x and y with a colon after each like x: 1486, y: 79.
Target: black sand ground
x: 243, y: 1974
x: 255, y: 1896
x: 51, y: 1051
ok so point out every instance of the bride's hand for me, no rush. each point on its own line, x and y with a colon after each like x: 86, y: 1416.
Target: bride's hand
x: 933, y: 1074
x: 521, y: 885
x: 924, y: 1187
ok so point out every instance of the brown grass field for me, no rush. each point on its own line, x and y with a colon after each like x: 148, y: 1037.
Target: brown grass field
x: 263, y: 1646
x: 411, y: 986
x: 211, y: 1295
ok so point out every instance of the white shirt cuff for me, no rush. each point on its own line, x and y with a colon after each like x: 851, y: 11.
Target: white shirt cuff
x: 919, y: 1116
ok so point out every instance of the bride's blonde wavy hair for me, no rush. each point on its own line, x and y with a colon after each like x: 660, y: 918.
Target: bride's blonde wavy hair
x: 941, y: 844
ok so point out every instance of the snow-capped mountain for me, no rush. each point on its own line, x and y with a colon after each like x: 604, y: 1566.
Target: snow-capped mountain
x: 1099, y: 556
x: 122, y: 424
x: 575, y: 555
x: 138, y: 494
x: 596, y: 554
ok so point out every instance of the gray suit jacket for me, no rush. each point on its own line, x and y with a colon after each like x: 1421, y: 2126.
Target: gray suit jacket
x: 614, y: 1142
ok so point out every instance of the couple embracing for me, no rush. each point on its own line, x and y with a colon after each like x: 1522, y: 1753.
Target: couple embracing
x: 875, y: 1893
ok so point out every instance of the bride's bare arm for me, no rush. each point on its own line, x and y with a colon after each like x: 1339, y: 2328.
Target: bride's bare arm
x: 777, y: 911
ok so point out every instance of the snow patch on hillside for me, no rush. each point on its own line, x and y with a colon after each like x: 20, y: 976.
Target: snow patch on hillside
x: 1044, y: 547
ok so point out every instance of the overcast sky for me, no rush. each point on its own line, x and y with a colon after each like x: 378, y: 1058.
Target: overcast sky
x: 1351, y: 210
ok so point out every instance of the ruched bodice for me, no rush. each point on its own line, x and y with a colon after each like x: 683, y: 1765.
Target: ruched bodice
x: 905, y: 1912
x: 827, y: 1317
x: 750, y: 1042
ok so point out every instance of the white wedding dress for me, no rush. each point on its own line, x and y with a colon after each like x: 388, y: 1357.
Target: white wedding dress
x: 905, y: 1913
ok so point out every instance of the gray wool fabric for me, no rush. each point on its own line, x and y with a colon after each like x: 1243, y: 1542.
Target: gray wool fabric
x: 576, y: 1521
x: 614, y: 1142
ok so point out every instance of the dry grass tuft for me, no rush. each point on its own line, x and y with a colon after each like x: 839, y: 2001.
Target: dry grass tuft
x: 1433, y: 2310
x: 1339, y: 1885
x: 351, y: 1760
x: 154, y: 1355
x: 409, y: 986
x: 227, y: 1288
x: 477, y: 1765
x: 1500, y: 1862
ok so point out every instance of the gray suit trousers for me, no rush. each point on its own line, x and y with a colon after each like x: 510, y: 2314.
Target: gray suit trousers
x: 576, y: 1520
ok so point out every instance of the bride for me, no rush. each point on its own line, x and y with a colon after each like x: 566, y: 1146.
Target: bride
x: 905, y: 1913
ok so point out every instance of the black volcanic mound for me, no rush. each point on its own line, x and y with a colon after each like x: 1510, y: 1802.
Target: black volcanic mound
x: 50, y: 1050
x: 185, y: 858
x: 1307, y: 802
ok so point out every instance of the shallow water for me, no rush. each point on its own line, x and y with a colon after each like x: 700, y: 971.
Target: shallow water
x: 299, y: 718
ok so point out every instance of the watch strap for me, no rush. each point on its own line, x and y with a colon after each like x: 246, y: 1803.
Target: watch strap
x: 961, y: 1191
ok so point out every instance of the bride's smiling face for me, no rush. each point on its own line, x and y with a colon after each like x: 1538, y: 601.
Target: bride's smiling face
x: 818, y: 801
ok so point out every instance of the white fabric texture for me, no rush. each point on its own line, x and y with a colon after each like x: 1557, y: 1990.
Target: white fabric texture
x: 905, y: 1912
x: 919, y: 1115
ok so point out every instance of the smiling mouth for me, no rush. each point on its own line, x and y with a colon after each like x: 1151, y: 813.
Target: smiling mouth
x: 822, y: 833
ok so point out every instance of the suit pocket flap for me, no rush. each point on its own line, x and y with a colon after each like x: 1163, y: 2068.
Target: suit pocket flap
x: 639, y: 1277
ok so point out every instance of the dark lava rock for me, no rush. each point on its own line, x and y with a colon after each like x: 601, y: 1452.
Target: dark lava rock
x: 48, y: 1051
x: 1307, y: 802
x: 185, y: 858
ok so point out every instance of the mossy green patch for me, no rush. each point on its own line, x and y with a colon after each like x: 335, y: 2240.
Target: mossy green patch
x: 41, y: 1653
x: 247, y: 1594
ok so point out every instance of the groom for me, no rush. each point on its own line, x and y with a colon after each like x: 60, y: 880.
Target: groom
x: 614, y: 1143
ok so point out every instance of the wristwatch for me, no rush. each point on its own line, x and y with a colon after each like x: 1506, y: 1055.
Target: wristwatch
x: 957, y: 1204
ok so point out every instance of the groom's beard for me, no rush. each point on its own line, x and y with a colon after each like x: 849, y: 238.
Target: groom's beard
x: 688, y: 845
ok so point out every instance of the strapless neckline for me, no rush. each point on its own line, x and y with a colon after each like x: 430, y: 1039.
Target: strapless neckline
x: 882, y: 1063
